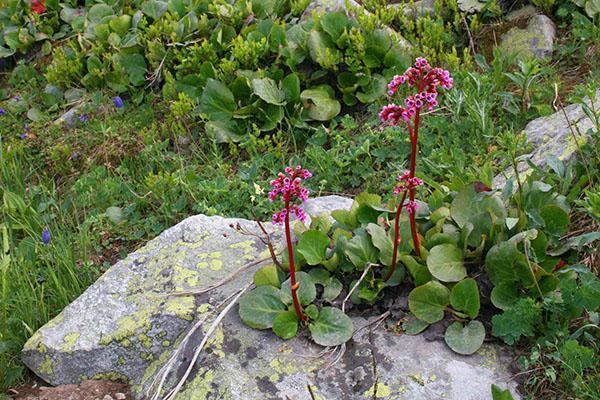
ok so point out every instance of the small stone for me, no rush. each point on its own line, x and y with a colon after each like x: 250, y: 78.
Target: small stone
x: 120, y: 396
x: 107, y: 397
x: 536, y: 41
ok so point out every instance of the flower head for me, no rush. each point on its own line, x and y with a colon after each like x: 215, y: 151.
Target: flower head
x: 23, y: 135
x: 118, y: 101
x: 427, y: 80
x: 83, y: 118
x: 37, y: 6
x: 2, y: 111
x: 411, y: 207
x: 288, y: 185
x: 46, y: 236
x: 405, y: 183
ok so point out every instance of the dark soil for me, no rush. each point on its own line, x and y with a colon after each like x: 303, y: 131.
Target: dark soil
x: 87, y: 390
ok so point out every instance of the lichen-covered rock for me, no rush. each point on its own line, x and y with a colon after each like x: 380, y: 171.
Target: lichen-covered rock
x: 125, y: 327
x: 536, y: 41
x: 554, y: 136
x: 417, y: 8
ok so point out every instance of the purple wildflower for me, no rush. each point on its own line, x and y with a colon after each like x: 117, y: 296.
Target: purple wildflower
x: 118, y: 101
x: 46, y: 236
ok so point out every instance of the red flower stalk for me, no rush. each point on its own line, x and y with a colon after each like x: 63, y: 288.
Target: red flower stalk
x: 37, y: 6
x: 288, y: 185
x: 426, y: 80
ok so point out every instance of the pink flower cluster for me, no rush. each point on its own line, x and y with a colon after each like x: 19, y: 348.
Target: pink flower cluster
x: 411, y: 207
x: 279, y: 218
x: 288, y: 185
x: 427, y: 80
x: 406, y: 183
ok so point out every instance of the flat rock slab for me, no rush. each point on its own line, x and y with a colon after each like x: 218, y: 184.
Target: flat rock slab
x: 124, y: 327
x: 559, y: 135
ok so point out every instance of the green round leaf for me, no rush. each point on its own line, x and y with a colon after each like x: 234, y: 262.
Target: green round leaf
x: 267, y: 89
x: 429, y: 301
x: 555, y: 218
x: 307, y: 291
x: 331, y: 328
x: 320, y: 104
x: 319, y: 276
x: 504, y: 295
x: 311, y: 311
x: 414, y: 326
x: 465, y: 297
x: 268, y: 275
x: 259, y: 308
x: 465, y: 339
x: 313, y: 246
x: 285, y: 324
x: 360, y: 250
x: 382, y: 241
x: 445, y: 262
x: 332, y: 289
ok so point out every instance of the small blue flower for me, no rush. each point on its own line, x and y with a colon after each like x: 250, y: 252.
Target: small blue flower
x: 46, y: 236
x: 26, y: 127
x: 83, y: 118
x: 2, y: 112
x: 23, y: 135
x: 118, y: 102
x: 16, y: 98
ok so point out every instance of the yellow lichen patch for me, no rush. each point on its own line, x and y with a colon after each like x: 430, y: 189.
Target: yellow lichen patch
x: 378, y: 390
x: 216, y: 265
x: 418, y: 378
x: 47, y: 367
x: 274, y: 378
x: 184, y: 277
x: 202, y: 308
x: 216, y: 254
x: 216, y: 342
x: 71, y: 340
x: 247, y: 246
x: 490, y: 357
x: 202, y: 265
x: 433, y: 378
x: 199, y: 388
x: 182, y: 307
x: 573, y: 145
x: 111, y: 376
x: 129, y: 326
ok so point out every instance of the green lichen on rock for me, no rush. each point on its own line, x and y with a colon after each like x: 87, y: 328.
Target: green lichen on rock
x: 520, y: 42
x: 71, y: 340
x: 113, y: 376
x: 47, y: 367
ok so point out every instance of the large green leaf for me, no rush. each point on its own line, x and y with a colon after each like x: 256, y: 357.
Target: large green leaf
x: 334, y: 23
x: 259, y: 308
x: 307, y: 291
x: 555, y: 219
x: 320, y: 104
x: 266, y: 89
x: 134, y: 66
x: 428, y: 302
x: 331, y: 328
x: 268, y: 275
x: 468, y: 203
x: 382, y: 241
x: 465, y: 297
x: 499, y: 394
x: 360, y: 250
x: 465, y: 339
x: 217, y: 101
x: 322, y: 49
x: 313, y: 246
x: 285, y: 324
x: 291, y: 88
x: 445, y: 262
x: 154, y: 8
x: 99, y: 12
x: 504, y: 263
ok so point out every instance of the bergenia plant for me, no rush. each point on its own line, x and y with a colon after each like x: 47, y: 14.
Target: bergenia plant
x: 288, y: 186
x: 426, y: 80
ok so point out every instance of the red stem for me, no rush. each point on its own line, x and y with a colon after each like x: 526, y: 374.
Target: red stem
x: 414, y: 138
x: 294, y: 285
x: 396, y: 238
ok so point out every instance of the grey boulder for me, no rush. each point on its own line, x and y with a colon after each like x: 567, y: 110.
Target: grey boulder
x: 126, y: 326
x: 559, y: 135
